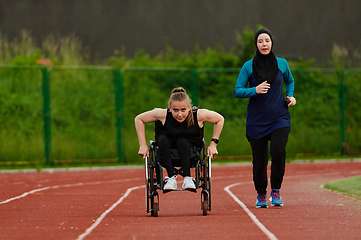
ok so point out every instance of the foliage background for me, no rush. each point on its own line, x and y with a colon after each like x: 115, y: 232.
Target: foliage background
x: 83, y: 101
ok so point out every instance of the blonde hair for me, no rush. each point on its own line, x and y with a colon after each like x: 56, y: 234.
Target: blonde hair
x: 179, y: 94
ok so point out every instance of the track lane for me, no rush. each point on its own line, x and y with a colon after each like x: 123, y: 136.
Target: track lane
x: 310, y: 212
x: 66, y: 211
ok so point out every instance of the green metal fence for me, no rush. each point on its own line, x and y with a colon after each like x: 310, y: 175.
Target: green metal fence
x: 118, y: 91
x: 350, y: 114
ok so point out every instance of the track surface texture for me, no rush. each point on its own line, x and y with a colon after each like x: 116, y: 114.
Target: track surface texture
x: 110, y: 204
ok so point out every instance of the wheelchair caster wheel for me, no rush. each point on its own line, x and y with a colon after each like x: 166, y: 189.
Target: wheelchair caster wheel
x: 204, y: 207
x: 154, y: 212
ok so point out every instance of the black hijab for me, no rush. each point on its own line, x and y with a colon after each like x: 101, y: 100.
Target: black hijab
x: 265, y: 67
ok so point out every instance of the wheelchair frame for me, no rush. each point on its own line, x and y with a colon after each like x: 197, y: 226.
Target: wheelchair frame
x: 154, y: 179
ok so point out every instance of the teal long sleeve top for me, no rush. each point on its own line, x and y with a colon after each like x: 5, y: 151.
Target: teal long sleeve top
x: 265, y: 112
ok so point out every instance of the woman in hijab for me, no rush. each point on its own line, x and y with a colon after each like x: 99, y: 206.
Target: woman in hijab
x: 268, y: 118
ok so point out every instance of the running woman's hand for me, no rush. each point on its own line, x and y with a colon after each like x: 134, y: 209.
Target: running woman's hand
x: 291, y: 101
x: 263, y: 88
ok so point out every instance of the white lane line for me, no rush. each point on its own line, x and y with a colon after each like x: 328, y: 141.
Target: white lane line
x: 97, y: 222
x: 250, y: 214
x: 27, y: 193
x: 66, y: 185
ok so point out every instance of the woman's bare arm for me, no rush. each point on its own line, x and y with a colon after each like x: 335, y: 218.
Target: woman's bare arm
x: 215, y: 118
x: 140, y: 120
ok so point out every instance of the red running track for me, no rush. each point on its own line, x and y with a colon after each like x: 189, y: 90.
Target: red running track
x: 110, y: 204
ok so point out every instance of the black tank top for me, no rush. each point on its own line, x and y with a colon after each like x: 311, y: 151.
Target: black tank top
x: 176, y: 130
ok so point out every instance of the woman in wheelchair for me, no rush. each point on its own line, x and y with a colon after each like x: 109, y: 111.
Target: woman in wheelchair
x: 184, y: 126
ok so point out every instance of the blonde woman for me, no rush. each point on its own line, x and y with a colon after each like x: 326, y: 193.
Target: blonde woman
x: 184, y: 128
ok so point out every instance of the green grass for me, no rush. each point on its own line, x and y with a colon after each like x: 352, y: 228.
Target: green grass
x: 350, y: 187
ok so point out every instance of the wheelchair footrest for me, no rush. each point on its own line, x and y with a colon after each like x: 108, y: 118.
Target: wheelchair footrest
x: 176, y: 190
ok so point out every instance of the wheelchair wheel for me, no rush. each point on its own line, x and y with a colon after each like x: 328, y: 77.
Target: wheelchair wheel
x: 205, y: 202
x: 151, y: 187
x: 204, y: 207
x: 153, y: 192
x: 155, y: 209
x: 205, y: 197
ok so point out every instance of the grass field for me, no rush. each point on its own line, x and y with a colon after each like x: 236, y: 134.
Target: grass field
x: 350, y: 187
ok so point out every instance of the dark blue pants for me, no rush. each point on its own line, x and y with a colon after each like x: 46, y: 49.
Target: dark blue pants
x: 278, y: 141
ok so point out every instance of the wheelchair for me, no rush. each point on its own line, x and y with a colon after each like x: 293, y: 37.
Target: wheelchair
x: 154, y: 181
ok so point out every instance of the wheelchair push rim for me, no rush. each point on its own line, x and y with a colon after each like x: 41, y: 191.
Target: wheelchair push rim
x: 147, y: 190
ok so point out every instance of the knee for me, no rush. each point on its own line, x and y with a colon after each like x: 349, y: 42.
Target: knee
x: 278, y: 153
x: 259, y: 166
x: 163, y: 141
x: 182, y: 143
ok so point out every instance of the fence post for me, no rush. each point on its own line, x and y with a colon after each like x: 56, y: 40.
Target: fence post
x: 47, y: 115
x: 342, y: 104
x: 194, y: 87
x: 119, y: 111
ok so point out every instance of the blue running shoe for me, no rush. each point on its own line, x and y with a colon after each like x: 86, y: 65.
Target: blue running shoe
x: 261, y: 201
x: 276, y: 198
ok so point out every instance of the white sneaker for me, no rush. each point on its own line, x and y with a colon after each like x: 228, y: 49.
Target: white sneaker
x: 188, y: 183
x: 171, y: 183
